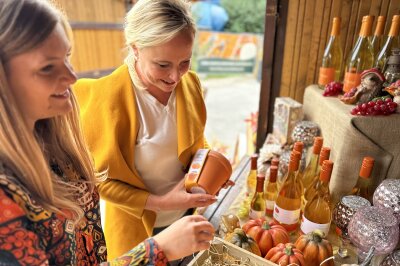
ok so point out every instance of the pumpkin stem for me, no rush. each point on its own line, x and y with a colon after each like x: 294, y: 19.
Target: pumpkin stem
x: 266, y: 225
x: 317, y: 235
x: 289, y: 250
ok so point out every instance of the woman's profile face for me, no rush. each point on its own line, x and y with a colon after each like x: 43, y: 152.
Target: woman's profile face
x: 40, y: 79
x: 163, y: 66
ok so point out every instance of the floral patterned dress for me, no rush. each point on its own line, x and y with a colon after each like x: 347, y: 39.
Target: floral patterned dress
x: 31, y: 235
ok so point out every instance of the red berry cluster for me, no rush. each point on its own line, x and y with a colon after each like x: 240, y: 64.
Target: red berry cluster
x: 379, y: 107
x: 333, y: 88
x: 350, y: 93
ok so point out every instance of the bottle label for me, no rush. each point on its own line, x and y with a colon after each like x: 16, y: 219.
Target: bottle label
x: 270, y: 204
x: 308, y: 226
x: 192, y: 177
x: 255, y: 214
x: 326, y: 75
x: 351, y: 80
x: 285, y: 216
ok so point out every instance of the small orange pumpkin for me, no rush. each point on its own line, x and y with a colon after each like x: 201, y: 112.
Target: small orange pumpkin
x: 266, y: 235
x: 315, y: 248
x: 286, y: 254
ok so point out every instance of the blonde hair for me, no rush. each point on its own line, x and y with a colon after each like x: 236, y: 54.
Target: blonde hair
x: 25, y: 24
x: 151, y: 23
x: 154, y: 22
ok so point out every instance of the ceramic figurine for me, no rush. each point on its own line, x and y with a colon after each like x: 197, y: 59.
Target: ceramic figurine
x: 370, y: 87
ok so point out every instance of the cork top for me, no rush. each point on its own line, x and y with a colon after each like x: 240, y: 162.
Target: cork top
x: 326, y: 171
x: 324, y: 154
x: 298, y: 146
x: 273, y: 172
x: 394, y: 28
x: 318, y: 141
x: 366, y: 167
x: 380, y: 26
x: 254, y: 159
x: 336, y: 26
x: 294, y: 161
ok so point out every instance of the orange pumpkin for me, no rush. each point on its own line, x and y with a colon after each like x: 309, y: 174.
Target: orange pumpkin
x: 266, y: 235
x: 286, y: 254
x: 315, y: 248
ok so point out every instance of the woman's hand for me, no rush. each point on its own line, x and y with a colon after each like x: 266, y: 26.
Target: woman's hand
x: 185, y: 236
x: 178, y: 199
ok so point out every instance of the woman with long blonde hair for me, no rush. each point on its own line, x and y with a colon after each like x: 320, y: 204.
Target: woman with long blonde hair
x: 49, y: 205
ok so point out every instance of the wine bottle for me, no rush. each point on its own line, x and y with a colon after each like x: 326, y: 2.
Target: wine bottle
x: 312, y: 188
x: 392, y: 41
x: 257, y: 206
x: 288, y: 202
x: 377, y: 39
x: 252, y: 176
x: 271, y: 191
x: 362, y: 187
x: 274, y: 162
x: 332, y: 59
x: 311, y: 169
x: 317, y: 213
x: 299, y: 146
x: 360, y: 58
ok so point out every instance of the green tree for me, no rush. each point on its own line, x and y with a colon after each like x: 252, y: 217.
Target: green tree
x: 245, y: 15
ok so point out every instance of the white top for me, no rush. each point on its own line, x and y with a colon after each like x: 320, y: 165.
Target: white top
x: 156, y: 150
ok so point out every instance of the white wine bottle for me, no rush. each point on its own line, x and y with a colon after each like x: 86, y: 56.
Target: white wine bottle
x: 257, y: 206
x: 377, y: 39
x: 271, y: 191
x: 288, y: 202
x: 332, y: 60
x: 360, y: 58
x: 252, y: 176
x: 317, y: 213
x: 311, y: 169
x: 392, y: 41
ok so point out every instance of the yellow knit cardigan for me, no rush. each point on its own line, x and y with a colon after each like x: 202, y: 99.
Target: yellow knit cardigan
x: 109, y: 120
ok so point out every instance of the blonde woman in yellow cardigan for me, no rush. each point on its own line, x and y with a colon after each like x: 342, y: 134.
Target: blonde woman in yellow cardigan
x: 144, y: 122
x: 49, y: 203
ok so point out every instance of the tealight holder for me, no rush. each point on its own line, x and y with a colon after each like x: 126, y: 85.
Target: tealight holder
x: 373, y: 228
x: 342, y: 214
x: 387, y: 195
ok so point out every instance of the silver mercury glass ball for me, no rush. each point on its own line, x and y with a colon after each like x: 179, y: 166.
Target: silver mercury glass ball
x: 387, y: 194
x: 305, y: 131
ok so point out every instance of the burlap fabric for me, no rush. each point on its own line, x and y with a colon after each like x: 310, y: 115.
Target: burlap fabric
x: 353, y: 137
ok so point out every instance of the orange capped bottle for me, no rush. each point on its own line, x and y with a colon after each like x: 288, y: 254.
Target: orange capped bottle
x: 362, y: 187
x: 317, y: 213
x: 252, y: 176
x: 274, y: 162
x: 299, y: 146
x: 361, y: 57
x: 271, y: 191
x: 377, y: 39
x: 332, y: 59
x: 311, y: 190
x: 311, y: 169
x: 288, y: 202
x: 392, y: 41
x: 257, y: 206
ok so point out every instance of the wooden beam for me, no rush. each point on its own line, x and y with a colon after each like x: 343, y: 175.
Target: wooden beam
x: 274, y: 38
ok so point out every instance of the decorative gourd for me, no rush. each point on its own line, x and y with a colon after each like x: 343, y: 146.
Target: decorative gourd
x: 266, y: 235
x: 315, y: 248
x: 286, y: 254
x: 228, y: 224
x: 239, y: 238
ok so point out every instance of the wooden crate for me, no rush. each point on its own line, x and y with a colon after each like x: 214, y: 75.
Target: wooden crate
x: 235, y: 251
